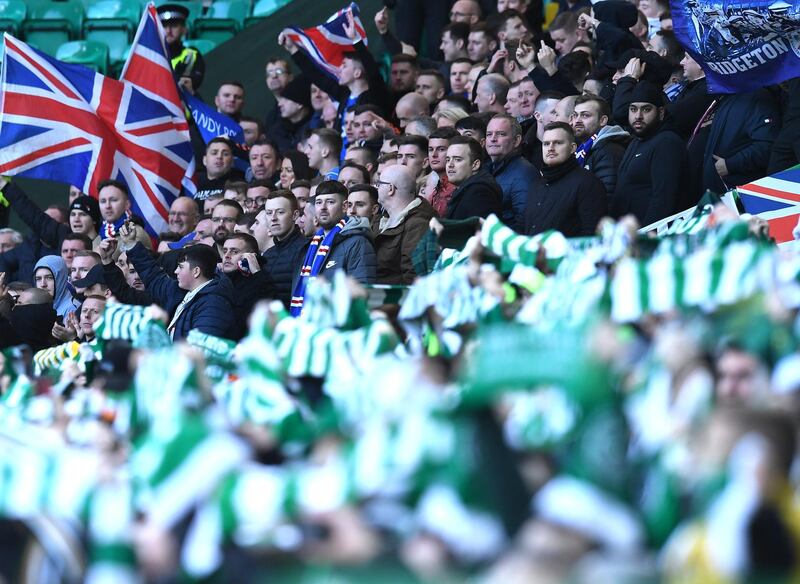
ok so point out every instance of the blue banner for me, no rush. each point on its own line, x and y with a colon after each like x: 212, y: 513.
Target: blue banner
x: 742, y: 45
x: 210, y: 122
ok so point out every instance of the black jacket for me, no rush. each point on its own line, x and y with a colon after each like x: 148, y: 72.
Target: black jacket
x: 247, y: 291
x: 744, y: 128
x: 18, y: 263
x: 287, y: 134
x: 651, y: 178
x: 606, y: 155
x: 30, y: 325
x: 478, y: 196
x: 689, y: 107
x: 613, y: 34
x: 572, y: 204
x: 282, y: 263
x: 50, y: 231
x: 116, y: 282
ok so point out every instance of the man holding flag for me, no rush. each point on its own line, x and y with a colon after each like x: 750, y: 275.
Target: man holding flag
x: 334, y: 57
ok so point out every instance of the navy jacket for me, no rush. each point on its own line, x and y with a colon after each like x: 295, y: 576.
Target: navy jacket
x: 745, y: 126
x: 18, y: 263
x: 514, y: 174
x: 283, y: 262
x: 210, y: 311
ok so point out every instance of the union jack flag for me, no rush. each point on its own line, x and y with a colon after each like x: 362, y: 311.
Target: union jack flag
x: 775, y: 198
x: 327, y: 43
x: 67, y: 123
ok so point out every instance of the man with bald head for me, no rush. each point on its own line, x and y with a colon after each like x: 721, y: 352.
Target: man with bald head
x: 406, y: 222
x: 183, y: 215
x: 467, y: 11
x: 410, y: 106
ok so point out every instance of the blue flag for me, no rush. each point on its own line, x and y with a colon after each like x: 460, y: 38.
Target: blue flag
x: 742, y: 46
x: 211, y: 123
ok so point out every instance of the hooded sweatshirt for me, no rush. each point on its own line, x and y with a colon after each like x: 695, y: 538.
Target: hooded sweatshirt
x: 63, y: 301
x: 606, y: 155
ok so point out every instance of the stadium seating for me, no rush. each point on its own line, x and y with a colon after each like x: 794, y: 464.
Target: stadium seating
x: 205, y: 46
x: 12, y: 14
x: 89, y: 53
x: 48, y: 25
x: 223, y: 20
x: 114, y: 23
x: 264, y: 8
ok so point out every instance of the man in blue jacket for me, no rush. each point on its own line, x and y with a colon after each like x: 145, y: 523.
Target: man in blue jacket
x: 197, y: 300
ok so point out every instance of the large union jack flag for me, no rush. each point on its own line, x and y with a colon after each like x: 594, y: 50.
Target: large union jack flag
x: 775, y: 198
x: 327, y: 43
x: 67, y: 123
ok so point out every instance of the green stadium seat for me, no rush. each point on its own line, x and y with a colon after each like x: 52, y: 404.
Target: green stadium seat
x: 49, y: 25
x: 262, y: 9
x: 114, y: 10
x: 205, y: 46
x: 223, y: 20
x: 89, y: 53
x: 112, y: 22
x: 12, y: 14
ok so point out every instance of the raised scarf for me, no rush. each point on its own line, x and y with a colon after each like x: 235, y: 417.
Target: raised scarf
x: 583, y: 150
x: 111, y: 229
x: 317, y: 252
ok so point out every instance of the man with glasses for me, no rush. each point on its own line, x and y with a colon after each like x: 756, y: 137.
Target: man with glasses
x: 277, y: 75
x: 224, y: 218
x: 256, y: 196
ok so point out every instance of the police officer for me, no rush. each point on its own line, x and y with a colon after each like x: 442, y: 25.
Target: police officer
x: 187, y: 62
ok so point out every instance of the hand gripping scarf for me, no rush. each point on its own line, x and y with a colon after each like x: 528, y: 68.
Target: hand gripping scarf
x: 318, y: 250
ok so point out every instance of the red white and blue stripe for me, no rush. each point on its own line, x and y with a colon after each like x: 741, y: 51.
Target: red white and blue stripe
x: 775, y: 198
x: 327, y: 43
x: 67, y: 123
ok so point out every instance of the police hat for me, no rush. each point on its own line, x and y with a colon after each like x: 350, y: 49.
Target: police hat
x: 173, y: 12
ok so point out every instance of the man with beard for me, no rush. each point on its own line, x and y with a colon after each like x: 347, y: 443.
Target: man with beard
x: 240, y: 263
x: 218, y: 162
x: 652, y: 173
x: 224, y: 217
x: 187, y: 62
x: 340, y: 243
x: 566, y: 198
x: 600, y: 146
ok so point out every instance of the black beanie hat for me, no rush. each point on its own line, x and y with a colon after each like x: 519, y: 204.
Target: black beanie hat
x: 299, y: 91
x: 88, y: 205
x: 646, y: 92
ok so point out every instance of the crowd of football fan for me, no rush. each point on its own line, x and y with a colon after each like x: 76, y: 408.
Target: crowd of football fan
x: 381, y: 456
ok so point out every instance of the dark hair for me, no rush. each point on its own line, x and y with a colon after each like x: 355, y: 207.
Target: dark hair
x: 299, y: 184
x: 373, y: 192
x: 458, y: 31
x: 372, y: 154
x: 575, y: 66
x: 331, y: 187
x: 260, y: 182
x: 675, y: 51
x: 234, y: 83
x: 267, y: 142
x: 246, y: 219
x: 420, y: 142
x: 473, y: 123
x: 475, y: 150
x: 330, y: 138
x: 220, y: 140
x: 403, y: 58
x: 368, y: 107
x: 62, y: 210
x: 602, y: 105
x: 356, y: 58
x: 256, y: 121
x: 460, y: 60
x: 560, y: 126
x: 87, y: 243
x: 250, y: 242
x: 566, y: 21
x: 443, y: 134
x: 201, y: 256
x: 283, y: 60
x: 483, y: 27
x: 233, y: 205
x: 433, y: 73
x: 235, y: 185
x: 350, y: 164
x: 288, y: 195
x: 499, y: 21
x: 110, y: 182
x: 299, y: 164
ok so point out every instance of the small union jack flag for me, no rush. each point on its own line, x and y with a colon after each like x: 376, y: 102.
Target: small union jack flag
x: 327, y: 43
x: 67, y: 123
x: 775, y: 198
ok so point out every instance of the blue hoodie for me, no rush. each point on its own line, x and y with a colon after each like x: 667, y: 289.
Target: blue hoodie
x: 63, y: 301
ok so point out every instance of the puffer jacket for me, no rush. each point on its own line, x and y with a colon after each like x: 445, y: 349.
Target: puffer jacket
x: 606, y: 155
x: 211, y: 309
x: 514, y: 174
x: 283, y: 261
x: 478, y: 196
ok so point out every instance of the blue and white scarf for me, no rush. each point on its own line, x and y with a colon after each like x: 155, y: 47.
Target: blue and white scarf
x: 317, y: 252
x: 583, y: 150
